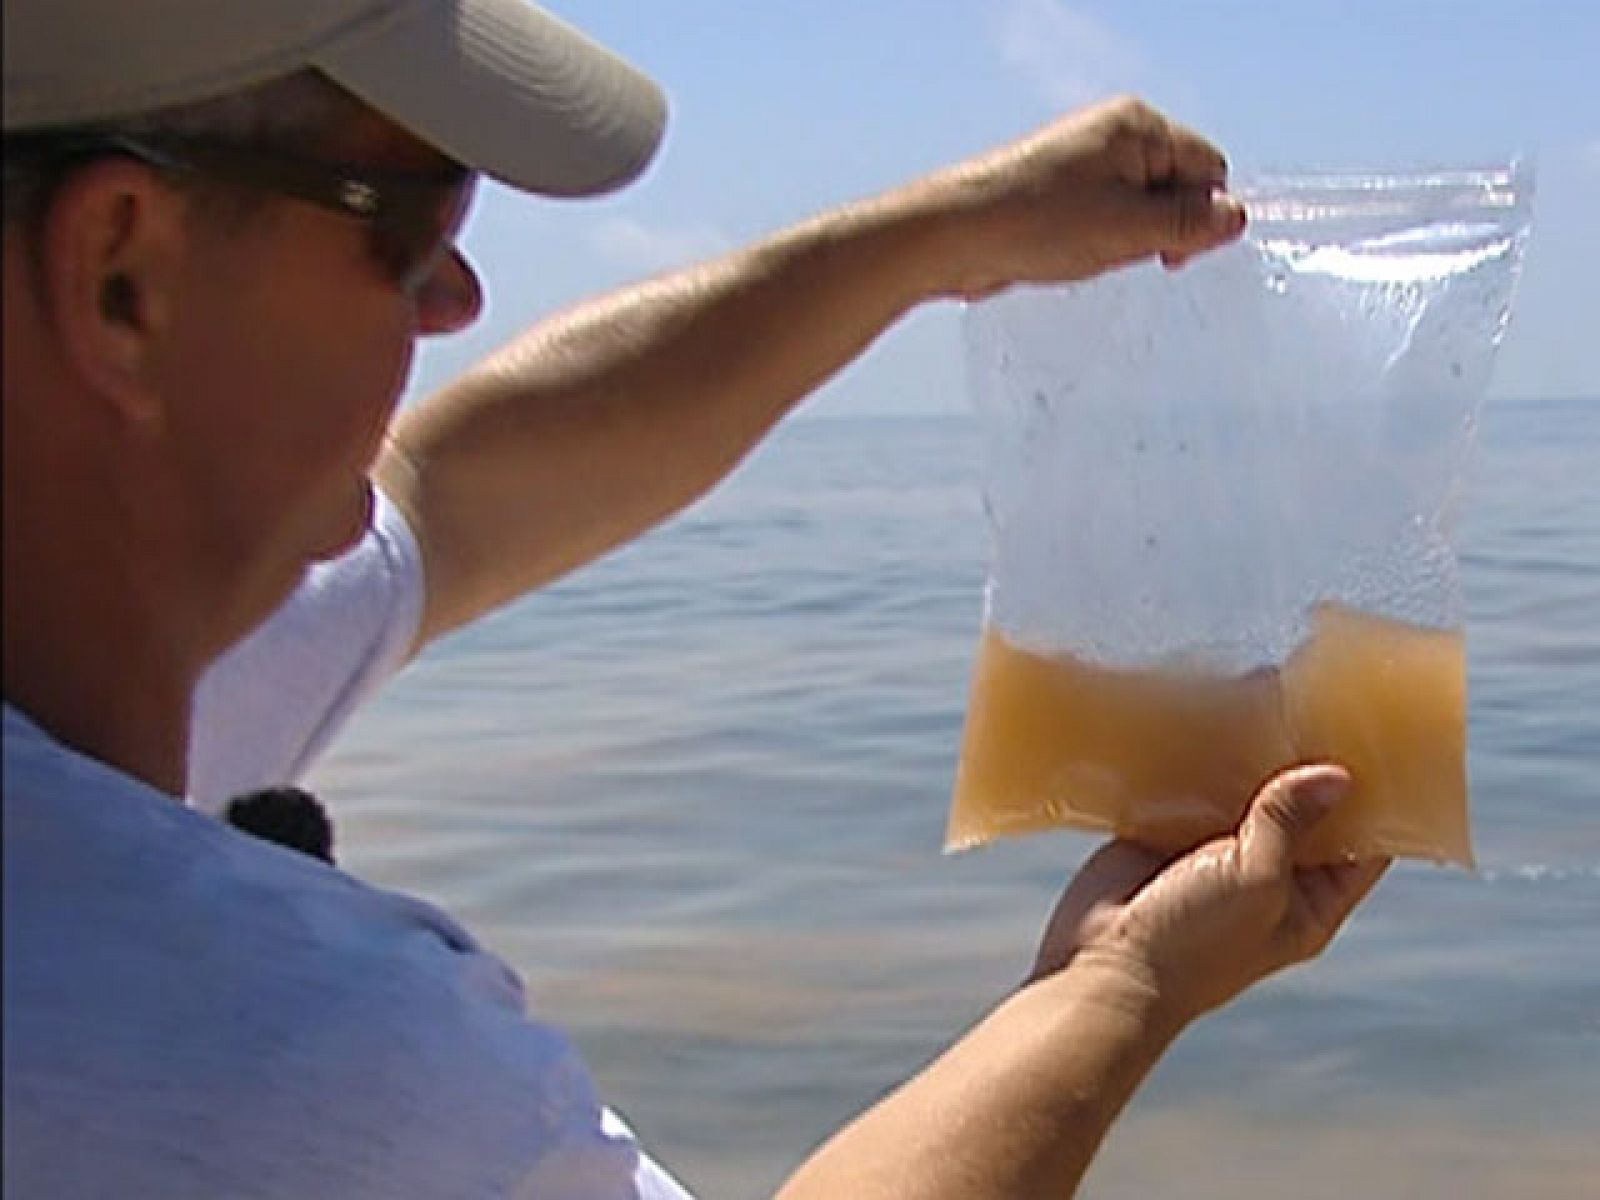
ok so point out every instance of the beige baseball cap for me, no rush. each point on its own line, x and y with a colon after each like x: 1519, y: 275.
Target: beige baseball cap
x: 499, y: 85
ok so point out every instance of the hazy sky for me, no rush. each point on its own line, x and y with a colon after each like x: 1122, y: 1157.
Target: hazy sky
x: 782, y: 107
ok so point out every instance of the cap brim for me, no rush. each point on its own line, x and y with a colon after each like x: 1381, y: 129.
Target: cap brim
x: 508, y: 90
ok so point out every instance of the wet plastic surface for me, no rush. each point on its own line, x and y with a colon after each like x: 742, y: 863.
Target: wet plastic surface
x: 1222, y: 508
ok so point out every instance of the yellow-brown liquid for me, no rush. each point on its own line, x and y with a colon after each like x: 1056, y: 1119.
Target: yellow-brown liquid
x: 1172, y: 758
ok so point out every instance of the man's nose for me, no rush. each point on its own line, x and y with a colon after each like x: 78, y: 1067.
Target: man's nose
x: 451, y: 297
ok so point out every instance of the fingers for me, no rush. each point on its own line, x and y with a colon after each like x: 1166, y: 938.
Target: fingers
x: 1158, y: 151
x: 1194, y: 159
x: 1108, y: 878
x: 1282, y: 816
x: 1205, y: 218
x: 1280, y: 821
x: 1353, y: 884
x: 1205, y: 225
x: 1172, y: 153
x: 1331, y: 895
x: 1187, y: 221
x: 1183, y: 175
x: 1175, y: 225
x: 1112, y: 874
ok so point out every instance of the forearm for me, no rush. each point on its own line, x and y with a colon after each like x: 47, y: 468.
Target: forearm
x: 605, y: 419
x: 1016, y: 1109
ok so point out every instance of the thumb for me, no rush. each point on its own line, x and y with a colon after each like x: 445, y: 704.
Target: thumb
x: 1188, y: 220
x: 1284, y: 813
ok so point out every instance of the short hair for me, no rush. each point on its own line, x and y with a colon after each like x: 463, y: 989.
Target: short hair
x: 292, y: 111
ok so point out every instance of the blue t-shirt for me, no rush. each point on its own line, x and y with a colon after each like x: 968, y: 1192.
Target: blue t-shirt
x: 192, y: 1012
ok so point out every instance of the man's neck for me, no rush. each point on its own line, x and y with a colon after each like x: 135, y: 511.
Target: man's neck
x: 136, y: 717
x: 92, y: 659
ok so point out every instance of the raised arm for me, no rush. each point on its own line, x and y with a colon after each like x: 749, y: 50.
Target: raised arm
x: 606, y: 419
x: 1136, y: 950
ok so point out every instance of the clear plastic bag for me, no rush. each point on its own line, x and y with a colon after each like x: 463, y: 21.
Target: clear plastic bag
x: 1222, y: 509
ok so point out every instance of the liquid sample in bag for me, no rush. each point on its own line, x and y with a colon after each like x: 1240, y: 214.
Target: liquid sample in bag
x: 1222, y: 505
x: 1172, y: 756
x: 1388, y: 702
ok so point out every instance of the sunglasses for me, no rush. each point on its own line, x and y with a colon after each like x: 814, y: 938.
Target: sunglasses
x: 411, y: 216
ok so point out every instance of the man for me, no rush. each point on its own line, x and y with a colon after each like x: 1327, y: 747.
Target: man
x: 226, y: 223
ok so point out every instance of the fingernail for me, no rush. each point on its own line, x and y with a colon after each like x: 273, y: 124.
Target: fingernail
x: 1227, y: 214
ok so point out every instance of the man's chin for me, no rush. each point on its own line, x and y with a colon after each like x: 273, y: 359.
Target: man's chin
x: 355, y: 529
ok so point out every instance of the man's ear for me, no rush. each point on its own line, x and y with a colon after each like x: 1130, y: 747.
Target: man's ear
x: 111, y: 255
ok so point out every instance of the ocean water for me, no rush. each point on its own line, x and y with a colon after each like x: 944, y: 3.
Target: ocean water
x: 696, y: 794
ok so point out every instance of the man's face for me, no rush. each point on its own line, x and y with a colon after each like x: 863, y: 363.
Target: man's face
x: 284, y: 366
